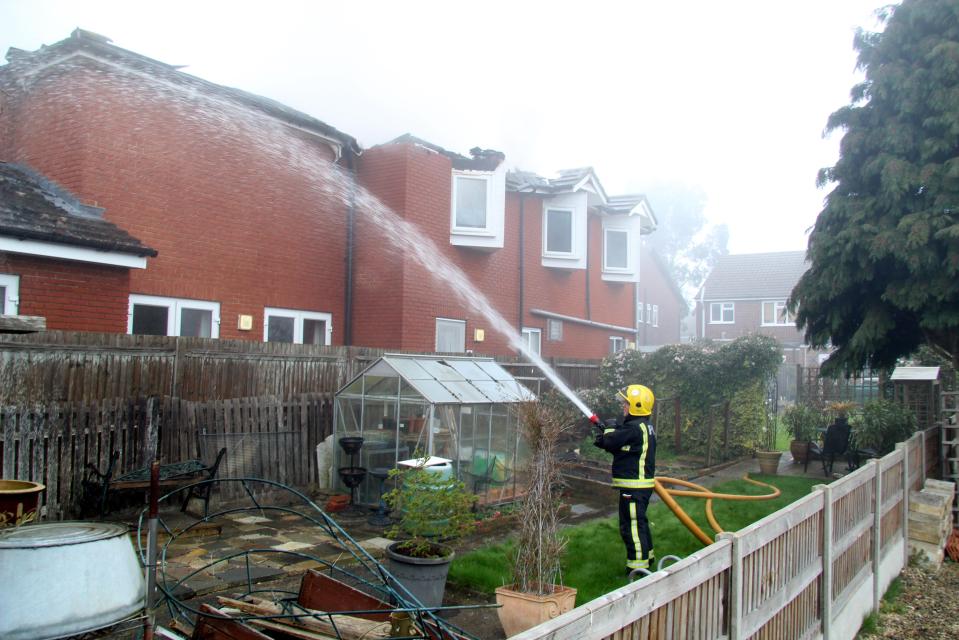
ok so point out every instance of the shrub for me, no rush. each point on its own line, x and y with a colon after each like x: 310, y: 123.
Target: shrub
x: 803, y: 422
x: 880, y: 424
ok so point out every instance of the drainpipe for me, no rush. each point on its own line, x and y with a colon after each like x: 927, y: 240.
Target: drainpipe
x: 348, y: 285
x: 702, y: 310
x: 522, y: 259
x: 589, y: 315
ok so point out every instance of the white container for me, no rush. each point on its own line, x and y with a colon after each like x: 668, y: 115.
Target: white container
x: 63, y: 578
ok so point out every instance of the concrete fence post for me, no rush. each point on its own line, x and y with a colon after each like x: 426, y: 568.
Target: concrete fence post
x: 876, y: 535
x: 904, y: 446
x: 735, y: 585
x: 825, y: 596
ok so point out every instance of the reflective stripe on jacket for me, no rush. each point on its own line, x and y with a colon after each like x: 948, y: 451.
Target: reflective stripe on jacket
x: 633, y: 445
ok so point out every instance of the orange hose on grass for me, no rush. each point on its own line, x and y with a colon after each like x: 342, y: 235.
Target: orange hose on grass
x: 666, y: 495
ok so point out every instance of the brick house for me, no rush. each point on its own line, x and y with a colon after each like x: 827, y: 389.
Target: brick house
x: 557, y: 258
x: 255, y: 241
x: 747, y: 293
x: 660, y: 307
x: 61, y: 259
x: 181, y: 164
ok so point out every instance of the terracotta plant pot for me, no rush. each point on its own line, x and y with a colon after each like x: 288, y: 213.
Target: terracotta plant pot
x: 769, y: 461
x: 19, y: 502
x: 521, y: 611
x: 798, y: 449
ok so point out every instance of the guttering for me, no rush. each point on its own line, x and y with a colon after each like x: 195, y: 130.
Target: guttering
x: 588, y: 323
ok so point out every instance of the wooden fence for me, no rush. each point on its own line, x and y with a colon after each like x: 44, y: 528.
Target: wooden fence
x: 265, y: 437
x: 815, y: 391
x: 61, y: 366
x: 813, y: 569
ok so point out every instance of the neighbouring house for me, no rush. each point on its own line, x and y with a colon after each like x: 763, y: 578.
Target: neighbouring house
x: 747, y: 293
x: 60, y: 259
x: 557, y: 258
x: 660, y: 307
x: 223, y: 184
x: 257, y: 217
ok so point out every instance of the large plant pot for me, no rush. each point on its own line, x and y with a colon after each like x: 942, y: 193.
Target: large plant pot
x: 424, y: 578
x: 521, y: 611
x: 798, y: 449
x: 19, y: 502
x: 769, y: 461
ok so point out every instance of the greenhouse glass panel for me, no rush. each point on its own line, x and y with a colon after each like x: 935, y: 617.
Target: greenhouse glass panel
x: 494, y: 371
x: 469, y: 370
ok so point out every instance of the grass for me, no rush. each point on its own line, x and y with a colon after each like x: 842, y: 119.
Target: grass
x: 890, y: 604
x: 595, y: 559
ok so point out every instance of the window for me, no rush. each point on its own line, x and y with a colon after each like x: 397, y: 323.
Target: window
x: 649, y: 312
x: 10, y: 292
x: 554, y: 329
x: 639, y: 313
x: 157, y: 316
x: 559, y: 231
x: 469, y: 204
x: 775, y: 313
x: 655, y: 318
x: 297, y: 327
x: 533, y: 339
x: 616, y: 250
x: 616, y: 344
x: 721, y: 313
x: 450, y: 335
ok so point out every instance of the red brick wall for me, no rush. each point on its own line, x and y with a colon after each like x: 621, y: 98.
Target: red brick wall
x: 748, y: 319
x: 230, y: 199
x: 654, y: 288
x: 74, y: 296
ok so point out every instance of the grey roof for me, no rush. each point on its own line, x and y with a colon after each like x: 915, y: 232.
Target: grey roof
x: 452, y: 380
x: 101, y: 46
x: 755, y: 275
x: 35, y: 208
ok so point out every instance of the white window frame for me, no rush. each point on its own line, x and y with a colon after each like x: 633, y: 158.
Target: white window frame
x: 723, y: 307
x: 780, y: 314
x: 655, y: 315
x: 436, y: 333
x: 298, y: 317
x: 174, y: 306
x: 639, y: 313
x: 572, y: 233
x: 485, y: 230
x: 11, y: 301
x: 530, y: 334
x: 629, y: 251
x: 616, y: 344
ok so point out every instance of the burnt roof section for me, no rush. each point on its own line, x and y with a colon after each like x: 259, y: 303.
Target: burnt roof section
x: 480, y: 160
x: 769, y: 276
x: 35, y: 208
x: 86, y: 41
x: 567, y: 180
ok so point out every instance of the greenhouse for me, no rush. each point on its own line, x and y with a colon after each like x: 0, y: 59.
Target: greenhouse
x: 461, y: 413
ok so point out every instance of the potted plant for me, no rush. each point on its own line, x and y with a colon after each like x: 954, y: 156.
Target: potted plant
x: 803, y: 423
x: 434, y: 509
x: 767, y: 454
x: 536, y: 593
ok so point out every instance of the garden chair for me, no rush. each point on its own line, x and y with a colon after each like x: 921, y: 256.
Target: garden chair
x: 835, y: 443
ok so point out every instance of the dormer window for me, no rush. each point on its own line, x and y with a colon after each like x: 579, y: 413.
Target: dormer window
x: 616, y: 250
x: 478, y: 208
x: 469, y: 204
x: 559, y: 232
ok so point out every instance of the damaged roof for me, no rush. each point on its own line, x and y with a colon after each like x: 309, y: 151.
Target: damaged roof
x: 20, y: 61
x: 481, y: 160
x: 35, y: 208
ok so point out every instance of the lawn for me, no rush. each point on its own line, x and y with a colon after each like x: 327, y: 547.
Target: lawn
x: 595, y: 559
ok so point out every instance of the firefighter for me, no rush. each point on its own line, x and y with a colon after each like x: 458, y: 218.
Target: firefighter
x: 632, y: 441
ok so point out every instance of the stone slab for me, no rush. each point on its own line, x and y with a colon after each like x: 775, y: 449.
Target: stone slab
x: 926, y: 502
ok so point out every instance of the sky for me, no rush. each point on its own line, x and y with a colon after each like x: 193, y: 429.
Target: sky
x: 732, y: 97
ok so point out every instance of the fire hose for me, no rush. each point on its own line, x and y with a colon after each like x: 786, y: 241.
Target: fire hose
x: 666, y: 495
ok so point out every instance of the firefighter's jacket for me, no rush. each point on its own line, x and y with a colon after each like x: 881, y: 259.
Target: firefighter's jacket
x: 632, y: 441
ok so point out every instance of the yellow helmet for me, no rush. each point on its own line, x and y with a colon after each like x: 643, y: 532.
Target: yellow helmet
x: 640, y: 399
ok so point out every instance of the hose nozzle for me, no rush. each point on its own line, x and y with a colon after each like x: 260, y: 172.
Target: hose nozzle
x: 594, y: 419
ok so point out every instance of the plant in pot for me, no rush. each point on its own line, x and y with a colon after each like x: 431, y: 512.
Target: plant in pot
x: 803, y: 423
x: 434, y: 510
x: 767, y: 454
x: 536, y: 593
